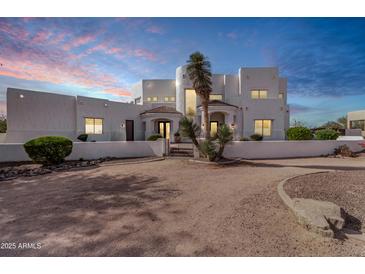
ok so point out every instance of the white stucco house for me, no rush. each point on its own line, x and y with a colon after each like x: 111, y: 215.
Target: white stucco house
x: 252, y: 101
x: 356, y: 121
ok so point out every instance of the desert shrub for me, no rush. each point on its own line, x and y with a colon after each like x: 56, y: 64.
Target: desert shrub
x: 48, y: 150
x: 256, y: 137
x: 208, y: 148
x: 82, y: 137
x: 299, y: 133
x: 244, y: 139
x: 154, y: 137
x: 344, y: 151
x: 326, y: 134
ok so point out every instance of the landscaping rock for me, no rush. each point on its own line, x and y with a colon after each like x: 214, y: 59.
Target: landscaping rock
x: 321, y: 217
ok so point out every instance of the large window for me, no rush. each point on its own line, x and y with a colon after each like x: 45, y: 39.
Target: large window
x: 259, y: 94
x: 263, y: 127
x: 355, y: 124
x: 216, y: 97
x: 190, y: 102
x: 93, y: 126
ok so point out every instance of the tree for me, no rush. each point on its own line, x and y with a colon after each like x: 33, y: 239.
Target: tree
x: 199, y: 72
x: 333, y: 125
x: 343, y: 121
x: 190, y: 130
x: 3, y: 124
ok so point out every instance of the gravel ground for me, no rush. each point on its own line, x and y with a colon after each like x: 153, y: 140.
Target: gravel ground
x: 165, y: 208
x: 344, y: 188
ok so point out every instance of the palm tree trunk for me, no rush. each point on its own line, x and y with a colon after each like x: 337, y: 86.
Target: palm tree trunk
x: 206, y: 118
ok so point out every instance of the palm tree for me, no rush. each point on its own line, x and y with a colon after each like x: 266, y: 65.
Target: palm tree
x: 198, y: 70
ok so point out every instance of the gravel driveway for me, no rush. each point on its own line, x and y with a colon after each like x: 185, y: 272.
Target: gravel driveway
x: 166, y: 208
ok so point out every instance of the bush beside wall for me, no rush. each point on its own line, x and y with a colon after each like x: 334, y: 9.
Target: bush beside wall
x: 299, y: 133
x: 48, y: 150
x: 326, y: 134
x: 154, y: 137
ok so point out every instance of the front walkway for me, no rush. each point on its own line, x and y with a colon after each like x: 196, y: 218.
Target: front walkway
x: 165, y: 208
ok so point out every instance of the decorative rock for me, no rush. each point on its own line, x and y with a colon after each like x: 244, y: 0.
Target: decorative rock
x: 321, y: 217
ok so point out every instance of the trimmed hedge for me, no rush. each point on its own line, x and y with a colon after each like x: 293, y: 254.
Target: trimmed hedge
x: 48, y: 150
x: 299, y: 133
x: 154, y: 137
x: 326, y: 134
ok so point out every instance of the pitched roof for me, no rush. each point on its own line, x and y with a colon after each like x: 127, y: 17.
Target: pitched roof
x: 162, y: 109
x: 219, y: 103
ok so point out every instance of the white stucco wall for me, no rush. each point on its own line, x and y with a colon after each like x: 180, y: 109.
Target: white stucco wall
x: 31, y: 114
x: 90, y: 150
x: 285, y: 149
x: 355, y: 115
x: 159, y: 88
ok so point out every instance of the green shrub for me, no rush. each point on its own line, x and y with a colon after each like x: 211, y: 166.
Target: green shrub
x: 244, y: 139
x: 208, y: 148
x: 256, y: 137
x: 326, y: 134
x: 48, y: 150
x: 154, y: 137
x: 299, y: 133
x: 83, y: 137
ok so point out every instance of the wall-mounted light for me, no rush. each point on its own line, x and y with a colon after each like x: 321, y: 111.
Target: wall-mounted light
x: 122, y: 125
x: 233, y: 125
x: 21, y: 96
x: 106, y: 105
x: 246, y: 108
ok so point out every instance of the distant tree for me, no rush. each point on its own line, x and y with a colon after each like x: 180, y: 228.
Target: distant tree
x: 296, y: 123
x: 333, y: 125
x: 343, y: 121
x: 3, y: 124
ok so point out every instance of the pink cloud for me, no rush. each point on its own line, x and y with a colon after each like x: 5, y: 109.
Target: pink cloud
x: 144, y: 53
x: 155, y: 29
x: 79, y: 41
x: 117, y: 92
x: 41, y: 37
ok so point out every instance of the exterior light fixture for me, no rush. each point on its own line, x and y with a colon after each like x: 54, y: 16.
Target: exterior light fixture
x: 21, y: 96
x: 105, y: 105
x: 122, y: 125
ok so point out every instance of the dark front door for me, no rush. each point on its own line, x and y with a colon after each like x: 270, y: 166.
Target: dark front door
x: 129, y: 125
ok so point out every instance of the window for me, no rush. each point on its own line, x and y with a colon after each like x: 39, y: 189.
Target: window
x: 172, y: 98
x: 281, y: 95
x: 190, y: 102
x: 216, y: 97
x: 357, y: 124
x: 213, y: 128
x: 149, y: 99
x: 259, y: 94
x: 166, y: 99
x: 154, y: 98
x: 93, y: 126
x: 263, y: 127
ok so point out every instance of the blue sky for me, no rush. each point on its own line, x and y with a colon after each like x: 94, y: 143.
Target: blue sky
x: 323, y: 58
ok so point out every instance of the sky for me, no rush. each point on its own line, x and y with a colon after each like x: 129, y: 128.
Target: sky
x: 323, y: 58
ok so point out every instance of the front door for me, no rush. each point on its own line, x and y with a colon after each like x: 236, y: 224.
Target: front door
x: 213, y: 128
x: 129, y: 126
x: 164, y: 129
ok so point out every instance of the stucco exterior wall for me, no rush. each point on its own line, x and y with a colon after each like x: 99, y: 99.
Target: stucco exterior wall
x: 355, y: 115
x: 285, y: 149
x: 15, y: 152
x: 159, y: 88
x: 31, y: 114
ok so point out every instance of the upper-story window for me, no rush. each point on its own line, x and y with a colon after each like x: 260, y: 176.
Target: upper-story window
x: 154, y: 98
x: 94, y: 125
x: 149, y: 99
x: 166, y: 98
x: 216, y: 97
x: 357, y: 124
x: 281, y: 94
x: 190, y: 102
x: 259, y: 94
x: 169, y: 98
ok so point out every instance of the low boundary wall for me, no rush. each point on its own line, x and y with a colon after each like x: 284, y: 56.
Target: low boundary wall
x: 285, y: 149
x: 92, y: 150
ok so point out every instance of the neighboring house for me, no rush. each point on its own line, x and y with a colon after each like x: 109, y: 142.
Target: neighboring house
x: 356, y: 120
x: 252, y: 101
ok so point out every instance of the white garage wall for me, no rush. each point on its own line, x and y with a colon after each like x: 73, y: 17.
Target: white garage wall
x: 90, y: 150
x: 285, y: 149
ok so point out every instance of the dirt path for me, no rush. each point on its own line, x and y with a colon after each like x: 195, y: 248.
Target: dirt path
x: 166, y: 208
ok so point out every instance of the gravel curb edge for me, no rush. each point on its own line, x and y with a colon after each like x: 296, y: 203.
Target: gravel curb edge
x: 290, y: 204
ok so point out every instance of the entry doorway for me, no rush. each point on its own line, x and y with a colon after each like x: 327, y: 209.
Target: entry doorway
x: 164, y: 129
x: 129, y: 127
x: 213, y: 128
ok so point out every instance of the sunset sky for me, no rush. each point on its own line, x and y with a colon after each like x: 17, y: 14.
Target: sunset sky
x: 323, y: 59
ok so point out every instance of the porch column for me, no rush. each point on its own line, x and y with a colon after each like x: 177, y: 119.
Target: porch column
x: 228, y: 120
